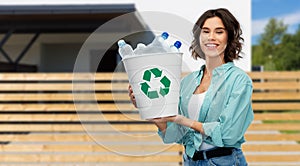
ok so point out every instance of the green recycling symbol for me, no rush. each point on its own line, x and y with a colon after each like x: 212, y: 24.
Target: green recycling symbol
x: 147, y: 78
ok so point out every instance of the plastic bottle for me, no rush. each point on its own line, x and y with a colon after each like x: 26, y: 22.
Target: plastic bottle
x: 124, y: 49
x: 159, y: 44
x: 140, y: 48
x: 175, y: 47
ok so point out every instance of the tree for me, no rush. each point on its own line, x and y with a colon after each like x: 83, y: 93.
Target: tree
x: 289, y: 52
x: 277, y: 50
x: 274, y: 31
x: 257, y: 55
x: 267, y: 51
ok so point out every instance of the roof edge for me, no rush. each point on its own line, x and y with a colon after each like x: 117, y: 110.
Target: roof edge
x: 66, y: 9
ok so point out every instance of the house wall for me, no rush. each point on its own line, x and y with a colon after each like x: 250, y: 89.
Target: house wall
x: 50, y: 52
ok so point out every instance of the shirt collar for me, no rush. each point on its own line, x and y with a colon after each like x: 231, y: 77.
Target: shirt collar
x: 218, y: 70
x: 200, y: 73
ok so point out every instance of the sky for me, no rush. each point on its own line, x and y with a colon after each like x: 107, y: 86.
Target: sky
x: 262, y: 10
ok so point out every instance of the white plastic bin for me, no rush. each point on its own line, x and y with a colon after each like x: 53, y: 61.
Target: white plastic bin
x: 155, y: 80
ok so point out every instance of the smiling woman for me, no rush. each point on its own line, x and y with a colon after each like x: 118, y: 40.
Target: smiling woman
x: 215, y: 102
x: 223, y: 26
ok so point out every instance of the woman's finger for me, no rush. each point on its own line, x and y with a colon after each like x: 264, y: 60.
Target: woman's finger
x: 129, y: 90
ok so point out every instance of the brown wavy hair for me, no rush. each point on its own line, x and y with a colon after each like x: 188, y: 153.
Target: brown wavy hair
x: 232, y: 26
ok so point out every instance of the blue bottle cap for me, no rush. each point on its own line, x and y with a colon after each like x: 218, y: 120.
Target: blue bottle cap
x: 121, y: 43
x: 165, y: 35
x: 177, y: 44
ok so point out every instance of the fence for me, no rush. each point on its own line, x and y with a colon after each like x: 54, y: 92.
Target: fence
x: 40, y: 124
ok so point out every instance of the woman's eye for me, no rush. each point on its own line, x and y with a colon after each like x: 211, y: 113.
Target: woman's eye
x: 219, y: 32
x: 205, y: 31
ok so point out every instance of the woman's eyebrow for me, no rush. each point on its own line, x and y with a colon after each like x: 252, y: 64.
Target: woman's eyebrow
x: 218, y: 28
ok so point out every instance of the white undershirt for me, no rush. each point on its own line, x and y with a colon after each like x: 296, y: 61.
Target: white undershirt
x: 195, y: 104
x: 194, y: 107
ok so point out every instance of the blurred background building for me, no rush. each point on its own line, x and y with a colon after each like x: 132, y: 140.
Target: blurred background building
x: 47, y: 38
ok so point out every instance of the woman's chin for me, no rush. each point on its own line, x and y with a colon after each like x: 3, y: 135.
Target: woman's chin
x: 212, y: 54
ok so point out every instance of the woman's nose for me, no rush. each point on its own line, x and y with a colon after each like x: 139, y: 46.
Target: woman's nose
x: 211, y: 36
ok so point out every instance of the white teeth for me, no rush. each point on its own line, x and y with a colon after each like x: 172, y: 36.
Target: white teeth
x: 211, y: 45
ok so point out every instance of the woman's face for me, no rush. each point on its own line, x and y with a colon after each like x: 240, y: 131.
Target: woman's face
x: 213, y: 37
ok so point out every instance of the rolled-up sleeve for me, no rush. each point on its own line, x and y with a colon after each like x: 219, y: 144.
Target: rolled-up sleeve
x: 235, y: 119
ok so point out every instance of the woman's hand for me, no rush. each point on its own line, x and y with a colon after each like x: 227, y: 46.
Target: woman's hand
x: 179, y: 119
x: 131, y: 95
x: 182, y: 120
x: 161, y: 122
x: 163, y: 119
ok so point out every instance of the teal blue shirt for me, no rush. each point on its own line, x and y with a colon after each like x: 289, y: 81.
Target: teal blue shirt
x: 226, y: 112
